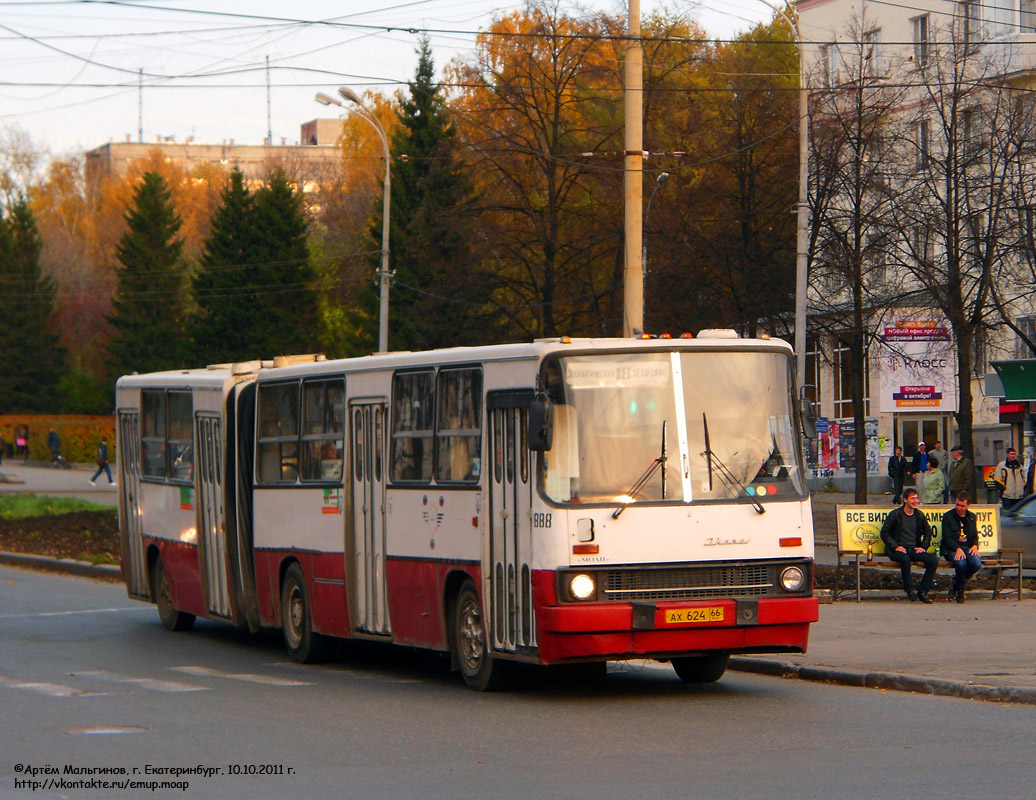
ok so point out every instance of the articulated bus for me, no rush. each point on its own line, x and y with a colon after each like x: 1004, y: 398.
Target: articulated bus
x: 561, y: 501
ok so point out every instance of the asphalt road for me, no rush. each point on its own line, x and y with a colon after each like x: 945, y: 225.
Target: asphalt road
x: 88, y: 678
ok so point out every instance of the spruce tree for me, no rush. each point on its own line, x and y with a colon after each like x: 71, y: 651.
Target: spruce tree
x: 438, y: 295
x: 285, y: 298
x: 221, y: 329
x: 31, y: 360
x: 147, y: 312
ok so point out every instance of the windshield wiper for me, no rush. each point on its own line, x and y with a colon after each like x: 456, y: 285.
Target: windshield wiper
x: 724, y: 471
x: 643, y: 479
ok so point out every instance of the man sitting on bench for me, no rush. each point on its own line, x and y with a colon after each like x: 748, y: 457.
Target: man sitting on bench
x: 960, y: 544
x: 907, y: 535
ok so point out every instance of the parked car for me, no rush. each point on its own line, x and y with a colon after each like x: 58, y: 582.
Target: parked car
x: 1018, y: 528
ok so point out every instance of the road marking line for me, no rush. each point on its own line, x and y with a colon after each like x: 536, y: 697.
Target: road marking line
x: 48, y: 689
x: 153, y: 684
x: 208, y: 672
x: 70, y: 613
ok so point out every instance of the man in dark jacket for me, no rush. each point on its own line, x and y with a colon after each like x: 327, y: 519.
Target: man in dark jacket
x: 907, y: 535
x: 897, y: 472
x: 959, y: 544
x: 961, y: 472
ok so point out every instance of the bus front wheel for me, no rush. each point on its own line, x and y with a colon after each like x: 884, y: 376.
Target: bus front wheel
x: 481, y: 671
x: 302, y: 644
x: 171, y: 619
x: 701, y: 669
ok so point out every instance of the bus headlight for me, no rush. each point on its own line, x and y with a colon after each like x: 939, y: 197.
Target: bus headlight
x: 582, y: 586
x: 793, y: 579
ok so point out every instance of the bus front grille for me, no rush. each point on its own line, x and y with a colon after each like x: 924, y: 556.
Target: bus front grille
x: 683, y: 583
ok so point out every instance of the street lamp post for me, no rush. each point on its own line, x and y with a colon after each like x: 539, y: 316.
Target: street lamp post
x: 659, y: 182
x: 802, y: 217
x: 384, y: 275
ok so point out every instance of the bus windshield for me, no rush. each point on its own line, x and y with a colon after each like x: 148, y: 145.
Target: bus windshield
x: 719, y: 424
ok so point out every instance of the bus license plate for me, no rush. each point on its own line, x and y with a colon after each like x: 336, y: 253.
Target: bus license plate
x: 683, y: 616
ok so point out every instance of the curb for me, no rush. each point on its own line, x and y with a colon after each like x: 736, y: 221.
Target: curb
x: 886, y: 680
x: 83, y: 568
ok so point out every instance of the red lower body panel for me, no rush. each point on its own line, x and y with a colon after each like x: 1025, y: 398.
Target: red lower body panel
x: 613, y: 630
x: 183, y: 573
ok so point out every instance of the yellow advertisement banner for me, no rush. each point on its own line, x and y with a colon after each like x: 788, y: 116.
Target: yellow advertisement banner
x: 859, y: 526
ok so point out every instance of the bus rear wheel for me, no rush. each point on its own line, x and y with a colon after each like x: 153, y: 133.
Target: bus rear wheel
x: 480, y: 670
x: 171, y: 619
x: 701, y: 669
x: 302, y: 644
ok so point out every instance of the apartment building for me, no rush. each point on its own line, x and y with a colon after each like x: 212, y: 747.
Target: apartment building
x: 923, y: 187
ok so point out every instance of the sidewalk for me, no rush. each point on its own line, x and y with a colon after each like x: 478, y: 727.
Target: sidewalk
x: 984, y: 649
x: 38, y: 477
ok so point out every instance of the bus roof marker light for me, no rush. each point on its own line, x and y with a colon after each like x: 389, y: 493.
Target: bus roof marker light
x: 566, y: 340
x: 686, y: 335
x: 665, y: 336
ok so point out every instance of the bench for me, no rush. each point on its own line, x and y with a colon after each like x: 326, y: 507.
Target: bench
x: 859, y: 542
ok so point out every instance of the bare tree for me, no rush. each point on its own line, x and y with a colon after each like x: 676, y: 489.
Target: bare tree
x: 849, y: 197
x: 955, y: 204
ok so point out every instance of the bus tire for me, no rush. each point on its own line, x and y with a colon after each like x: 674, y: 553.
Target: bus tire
x: 302, y: 644
x: 171, y: 619
x: 480, y: 670
x: 701, y: 669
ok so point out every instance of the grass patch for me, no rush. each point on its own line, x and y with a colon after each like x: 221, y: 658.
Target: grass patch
x: 21, y: 506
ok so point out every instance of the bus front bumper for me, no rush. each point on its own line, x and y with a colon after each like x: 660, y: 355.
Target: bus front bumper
x: 662, y: 630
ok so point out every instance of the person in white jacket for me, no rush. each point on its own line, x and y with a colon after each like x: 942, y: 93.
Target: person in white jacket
x: 1010, y: 476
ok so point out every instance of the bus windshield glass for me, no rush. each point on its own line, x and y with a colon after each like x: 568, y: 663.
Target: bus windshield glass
x: 715, y: 425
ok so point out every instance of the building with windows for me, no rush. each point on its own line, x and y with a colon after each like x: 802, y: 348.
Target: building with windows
x: 923, y: 195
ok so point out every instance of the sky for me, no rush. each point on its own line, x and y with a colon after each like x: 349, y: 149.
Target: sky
x: 76, y: 74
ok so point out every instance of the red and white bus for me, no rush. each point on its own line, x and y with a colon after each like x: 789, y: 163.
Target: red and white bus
x: 564, y: 501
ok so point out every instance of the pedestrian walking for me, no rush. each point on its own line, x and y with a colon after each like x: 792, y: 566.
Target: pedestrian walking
x: 944, y: 462
x: 934, y: 483
x: 1010, y: 477
x: 102, y: 463
x: 21, y: 443
x: 961, y: 473
x: 919, y: 466
x: 897, y: 473
x: 54, y: 445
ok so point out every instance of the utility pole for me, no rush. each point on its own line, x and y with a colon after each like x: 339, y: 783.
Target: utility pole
x: 140, y: 105
x: 633, y: 187
x: 269, y: 124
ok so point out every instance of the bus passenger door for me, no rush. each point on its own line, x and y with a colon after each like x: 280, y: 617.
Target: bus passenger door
x: 131, y: 522
x: 367, y: 450
x: 510, y: 547
x: 212, y: 534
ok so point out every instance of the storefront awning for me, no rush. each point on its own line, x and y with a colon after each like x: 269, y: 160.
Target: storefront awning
x: 1018, y: 378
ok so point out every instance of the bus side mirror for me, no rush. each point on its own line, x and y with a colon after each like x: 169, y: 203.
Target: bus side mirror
x: 809, y: 416
x: 541, y: 425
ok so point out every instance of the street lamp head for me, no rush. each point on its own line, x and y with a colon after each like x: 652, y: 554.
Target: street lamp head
x: 326, y: 99
x: 662, y: 178
x: 350, y: 95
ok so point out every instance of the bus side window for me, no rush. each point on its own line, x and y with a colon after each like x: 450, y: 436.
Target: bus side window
x: 458, y: 425
x: 278, y: 455
x: 413, y: 410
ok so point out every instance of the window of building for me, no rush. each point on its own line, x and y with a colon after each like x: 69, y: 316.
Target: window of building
x: 920, y: 40
x: 323, y: 430
x: 829, y: 64
x: 922, y: 244
x: 872, y: 53
x: 971, y: 21
x: 458, y: 425
x: 413, y: 418
x: 167, y: 435
x: 1027, y: 9
x: 1027, y: 325
x: 923, y: 136
x: 843, y: 397
x: 1000, y: 17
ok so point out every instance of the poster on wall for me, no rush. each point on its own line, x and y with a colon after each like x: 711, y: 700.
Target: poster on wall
x: 917, y: 364
x: 847, y: 445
